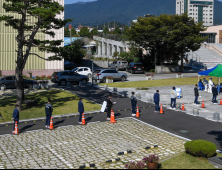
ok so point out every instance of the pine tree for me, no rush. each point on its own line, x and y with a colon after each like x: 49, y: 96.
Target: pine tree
x: 44, y: 12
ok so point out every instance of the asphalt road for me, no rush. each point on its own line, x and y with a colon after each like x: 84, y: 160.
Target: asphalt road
x: 171, y: 121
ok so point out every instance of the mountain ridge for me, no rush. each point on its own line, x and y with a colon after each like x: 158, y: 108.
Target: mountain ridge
x: 123, y: 11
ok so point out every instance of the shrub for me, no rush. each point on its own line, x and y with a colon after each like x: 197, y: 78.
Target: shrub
x: 200, y: 148
x: 152, y: 70
x: 0, y: 73
x: 49, y: 77
x: 109, y: 77
x: 135, y: 165
x: 151, y: 159
x: 37, y: 78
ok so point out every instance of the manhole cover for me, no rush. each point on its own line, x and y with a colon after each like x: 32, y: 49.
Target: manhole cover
x: 183, y: 131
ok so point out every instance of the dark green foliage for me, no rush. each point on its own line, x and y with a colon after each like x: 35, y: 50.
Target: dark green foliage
x: 74, y: 52
x: 124, y: 11
x: 84, y: 32
x: 169, y: 36
x: 200, y: 148
x: 106, y: 30
x: 117, y: 30
x: 67, y: 32
x: 94, y: 32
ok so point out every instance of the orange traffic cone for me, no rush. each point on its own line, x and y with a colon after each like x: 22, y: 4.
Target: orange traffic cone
x: 221, y: 101
x: 16, y: 132
x: 183, y: 107
x: 112, y: 120
x: 83, y: 119
x: 203, y: 106
x: 51, y: 124
x: 161, y: 109
x: 137, y: 112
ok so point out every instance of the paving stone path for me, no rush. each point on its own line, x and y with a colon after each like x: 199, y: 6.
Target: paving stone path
x: 73, y: 146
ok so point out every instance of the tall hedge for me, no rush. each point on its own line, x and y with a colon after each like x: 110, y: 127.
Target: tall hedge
x: 200, y: 148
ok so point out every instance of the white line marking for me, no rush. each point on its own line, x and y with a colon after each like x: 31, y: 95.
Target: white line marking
x: 161, y: 130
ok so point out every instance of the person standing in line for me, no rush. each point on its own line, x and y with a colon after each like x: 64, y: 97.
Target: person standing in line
x: 173, y: 95
x: 15, y: 116
x: 210, y: 85
x: 109, y: 106
x: 48, y: 112
x: 215, y: 93
x: 156, y: 98
x: 196, y: 94
x: 133, y: 103
x: 80, y: 110
x: 205, y: 84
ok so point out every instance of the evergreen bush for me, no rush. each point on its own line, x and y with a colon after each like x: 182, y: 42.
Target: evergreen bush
x: 200, y: 148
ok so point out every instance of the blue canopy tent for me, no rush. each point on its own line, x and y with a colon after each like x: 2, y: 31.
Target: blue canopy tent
x: 209, y: 72
x: 206, y: 73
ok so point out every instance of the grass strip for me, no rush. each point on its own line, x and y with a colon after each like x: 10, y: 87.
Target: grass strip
x: 159, y: 82
x: 62, y: 102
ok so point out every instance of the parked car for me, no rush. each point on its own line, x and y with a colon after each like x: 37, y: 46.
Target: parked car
x: 135, y: 68
x: 66, y: 62
x: 62, y: 77
x: 70, y: 66
x: 119, y: 65
x: 9, y: 82
x: 101, y: 74
x: 83, y: 71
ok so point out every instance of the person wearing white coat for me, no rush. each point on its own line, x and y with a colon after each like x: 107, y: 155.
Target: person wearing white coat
x: 210, y: 85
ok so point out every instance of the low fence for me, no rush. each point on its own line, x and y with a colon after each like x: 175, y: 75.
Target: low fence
x: 167, y: 69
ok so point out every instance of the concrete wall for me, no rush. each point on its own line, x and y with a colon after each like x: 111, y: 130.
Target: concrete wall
x: 166, y: 69
x: 218, y: 30
x: 97, y: 63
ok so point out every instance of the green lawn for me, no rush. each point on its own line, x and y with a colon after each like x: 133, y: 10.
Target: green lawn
x: 156, y: 83
x: 62, y: 102
x: 186, y: 161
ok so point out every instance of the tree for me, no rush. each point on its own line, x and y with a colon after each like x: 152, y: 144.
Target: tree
x: 117, y: 30
x: 106, y: 30
x: 84, y: 32
x: 94, y: 31
x: 74, y: 33
x: 126, y: 56
x: 75, y: 53
x: 115, y: 54
x: 66, y: 32
x: 44, y: 12
x: 167, y: 35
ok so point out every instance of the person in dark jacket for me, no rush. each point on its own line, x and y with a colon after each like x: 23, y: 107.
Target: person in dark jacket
x: 156, y: 99
x: 201, y: 84
x: 80, y: 110
x: 196, y: 94
x: 109, y: 106
x: 215, y: 93
x: 15, y: 116
x: 133, y: 103
x: 48, y: 112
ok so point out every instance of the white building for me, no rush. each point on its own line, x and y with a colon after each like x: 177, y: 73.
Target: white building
x: 200, y: 10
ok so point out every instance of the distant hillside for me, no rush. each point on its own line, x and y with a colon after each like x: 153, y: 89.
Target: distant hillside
x: 124, y: 11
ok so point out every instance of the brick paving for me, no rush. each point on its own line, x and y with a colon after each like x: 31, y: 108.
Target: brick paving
x: 73, y: 146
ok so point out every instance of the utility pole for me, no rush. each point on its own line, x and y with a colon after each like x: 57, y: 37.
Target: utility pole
x: 114, y: 25
x: 70, y: 30
x: 108, y: 25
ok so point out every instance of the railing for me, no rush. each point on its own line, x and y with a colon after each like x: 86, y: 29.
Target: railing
x: 112, y: 37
